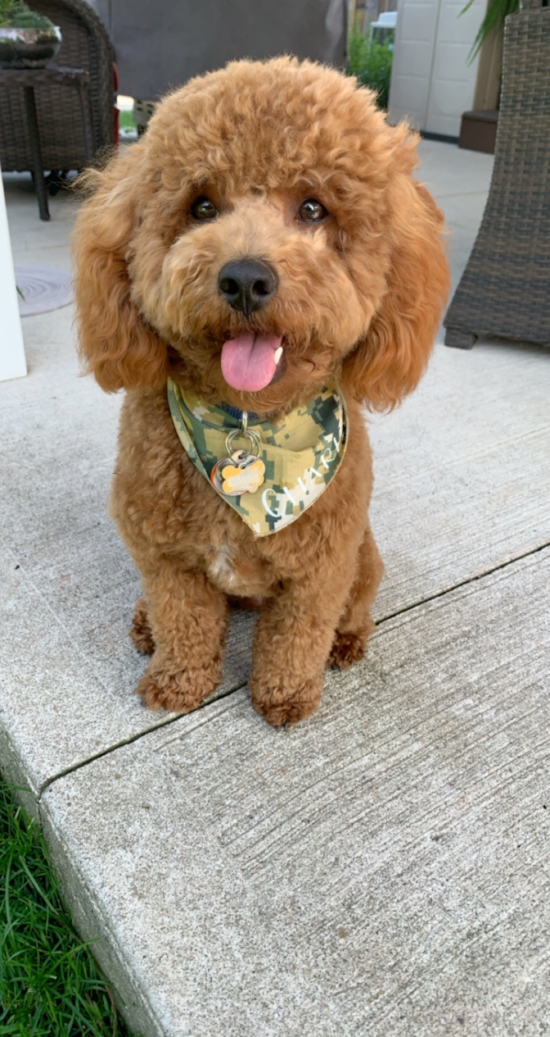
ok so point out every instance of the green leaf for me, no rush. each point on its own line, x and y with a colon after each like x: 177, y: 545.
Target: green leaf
x: 496, y: 12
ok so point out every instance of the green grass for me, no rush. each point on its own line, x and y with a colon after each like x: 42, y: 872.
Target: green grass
x: 126, y: 121
x: 50, y: 985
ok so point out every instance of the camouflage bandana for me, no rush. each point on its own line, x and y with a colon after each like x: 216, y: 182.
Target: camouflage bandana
x: 270, y: 472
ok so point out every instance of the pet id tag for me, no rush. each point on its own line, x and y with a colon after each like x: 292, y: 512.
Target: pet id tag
x: 241, y: 471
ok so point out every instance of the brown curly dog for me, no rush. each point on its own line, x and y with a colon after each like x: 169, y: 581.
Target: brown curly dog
x: 263, y: 239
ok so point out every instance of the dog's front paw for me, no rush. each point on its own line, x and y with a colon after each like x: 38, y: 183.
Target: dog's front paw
x: 178, y: 691
x: 347, y: 649
x: 283, y: 704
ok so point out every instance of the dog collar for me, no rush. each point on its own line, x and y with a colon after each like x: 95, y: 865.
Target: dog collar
x: 269, y: 471
x: 239, y: 414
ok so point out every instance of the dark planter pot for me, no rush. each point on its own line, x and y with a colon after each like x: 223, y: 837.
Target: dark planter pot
x: 28, y: 48
x: 478, y: 131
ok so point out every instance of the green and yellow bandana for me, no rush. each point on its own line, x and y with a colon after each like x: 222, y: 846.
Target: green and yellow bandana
x: 272, y: 472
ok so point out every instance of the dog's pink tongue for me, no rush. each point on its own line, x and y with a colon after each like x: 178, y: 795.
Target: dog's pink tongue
x: 248, y: 361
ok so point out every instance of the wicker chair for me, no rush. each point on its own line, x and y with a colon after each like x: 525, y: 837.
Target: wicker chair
x: 85, y: 45
x: 505, y: 288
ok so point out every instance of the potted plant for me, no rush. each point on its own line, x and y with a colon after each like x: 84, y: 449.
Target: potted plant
x: 497, y: 12
x: 370, y: 61
x: 27, y: 39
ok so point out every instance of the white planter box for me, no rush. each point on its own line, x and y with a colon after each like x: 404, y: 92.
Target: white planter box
x: 12, y: 352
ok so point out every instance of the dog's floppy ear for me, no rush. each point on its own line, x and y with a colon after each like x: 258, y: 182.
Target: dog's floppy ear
x: 115, y: 342
x: 390, y: 361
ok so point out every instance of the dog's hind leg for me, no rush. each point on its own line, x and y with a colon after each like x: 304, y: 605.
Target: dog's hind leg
x: 141, y: 632
x: 356, y: 624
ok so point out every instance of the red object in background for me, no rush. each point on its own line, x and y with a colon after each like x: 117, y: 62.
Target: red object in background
x: 116, y: 110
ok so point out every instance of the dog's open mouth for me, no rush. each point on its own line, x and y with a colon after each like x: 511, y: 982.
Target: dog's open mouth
x: 251, y: 360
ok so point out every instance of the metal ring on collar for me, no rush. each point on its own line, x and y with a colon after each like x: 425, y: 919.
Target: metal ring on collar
x: 244, y: 433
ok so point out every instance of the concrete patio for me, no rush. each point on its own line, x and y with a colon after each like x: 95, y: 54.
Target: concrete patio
x: 383, y: 868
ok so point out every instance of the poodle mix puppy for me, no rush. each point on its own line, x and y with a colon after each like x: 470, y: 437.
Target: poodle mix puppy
x: 254, y: 271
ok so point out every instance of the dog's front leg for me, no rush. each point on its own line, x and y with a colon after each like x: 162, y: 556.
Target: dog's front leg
x: 293, y: 639
x: 188, y: 617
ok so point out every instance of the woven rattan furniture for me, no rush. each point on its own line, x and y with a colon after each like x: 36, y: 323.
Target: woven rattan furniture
x: 31, y: 79
x: 63, y: 133
x: 505, y: 288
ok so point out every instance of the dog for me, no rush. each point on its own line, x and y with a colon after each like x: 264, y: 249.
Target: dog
x: 254, y: 271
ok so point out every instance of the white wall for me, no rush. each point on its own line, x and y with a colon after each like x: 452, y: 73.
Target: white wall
x: 432, y: 82
x: 12, y: 353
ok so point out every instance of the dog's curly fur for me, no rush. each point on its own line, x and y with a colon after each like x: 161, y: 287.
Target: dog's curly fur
x: 359, y: 298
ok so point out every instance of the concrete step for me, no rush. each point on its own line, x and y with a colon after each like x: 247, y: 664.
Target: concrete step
x: 381, y: 869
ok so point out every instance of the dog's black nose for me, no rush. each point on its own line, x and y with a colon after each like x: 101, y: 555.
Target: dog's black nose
x: 247, y: 284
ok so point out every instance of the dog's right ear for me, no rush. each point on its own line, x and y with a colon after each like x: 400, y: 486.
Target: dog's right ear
x: 115, y: 342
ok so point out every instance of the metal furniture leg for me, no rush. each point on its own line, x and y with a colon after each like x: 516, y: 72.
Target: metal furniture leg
x: 34, y: 138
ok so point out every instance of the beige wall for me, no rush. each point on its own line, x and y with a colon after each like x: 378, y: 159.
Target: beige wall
x: 432, y: 82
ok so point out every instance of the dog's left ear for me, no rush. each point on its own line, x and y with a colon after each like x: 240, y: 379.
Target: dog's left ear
x: 390, y: 361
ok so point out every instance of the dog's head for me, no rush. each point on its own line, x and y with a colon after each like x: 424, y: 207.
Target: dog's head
x: 264, y: 234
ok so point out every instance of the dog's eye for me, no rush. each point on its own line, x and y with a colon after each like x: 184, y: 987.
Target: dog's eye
x: 203, y: 209
x: 311, y: 211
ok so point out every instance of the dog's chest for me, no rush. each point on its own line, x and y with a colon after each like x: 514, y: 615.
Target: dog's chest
x: 237, y: 573
x: 221, y: 568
